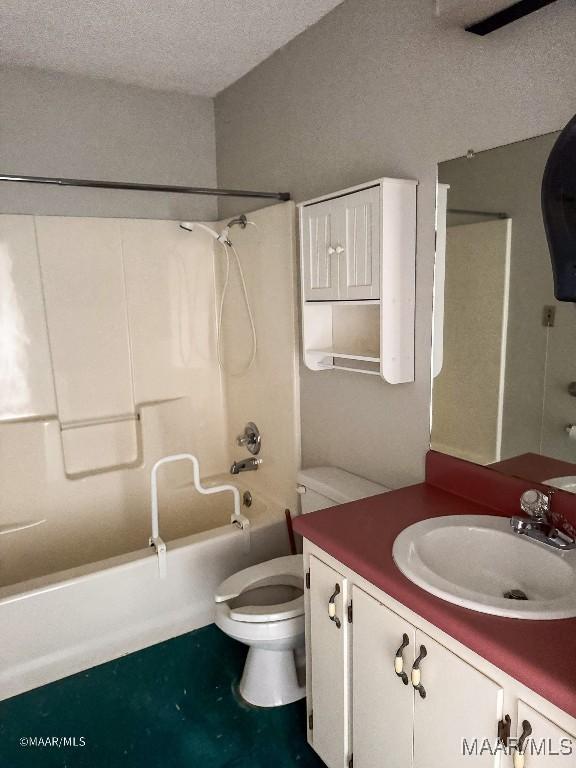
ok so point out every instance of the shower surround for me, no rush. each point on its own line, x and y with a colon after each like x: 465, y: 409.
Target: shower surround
x: 108, y: 362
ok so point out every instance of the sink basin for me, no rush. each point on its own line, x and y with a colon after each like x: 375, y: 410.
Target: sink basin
x: 475, y: 560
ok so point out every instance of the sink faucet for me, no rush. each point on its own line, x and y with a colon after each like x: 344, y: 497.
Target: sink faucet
x: 538, y: 525
x: 245, y: 465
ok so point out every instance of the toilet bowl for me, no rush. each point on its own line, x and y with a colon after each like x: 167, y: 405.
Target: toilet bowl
x: 263, y: 606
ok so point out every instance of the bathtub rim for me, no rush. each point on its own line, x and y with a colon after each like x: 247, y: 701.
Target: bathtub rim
x: 29, y: 588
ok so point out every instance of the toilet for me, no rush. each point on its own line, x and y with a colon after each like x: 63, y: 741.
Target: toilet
x: 263, y: 606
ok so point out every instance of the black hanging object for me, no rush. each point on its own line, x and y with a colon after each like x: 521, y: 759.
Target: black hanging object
x: 559, y: 212
x: 507, y: 16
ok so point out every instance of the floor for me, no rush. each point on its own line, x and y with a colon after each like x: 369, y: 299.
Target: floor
x: 168, y: 706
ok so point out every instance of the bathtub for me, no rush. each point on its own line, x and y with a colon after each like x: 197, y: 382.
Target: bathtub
x: 57, y: 624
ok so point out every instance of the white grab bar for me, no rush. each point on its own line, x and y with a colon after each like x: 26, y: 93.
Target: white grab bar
x: 155, y: 540
x: 21, y: 526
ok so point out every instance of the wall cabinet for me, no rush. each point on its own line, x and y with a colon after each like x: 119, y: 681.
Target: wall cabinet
x: 341, y: 247
x: 358, y: 260
x: 383, y: 693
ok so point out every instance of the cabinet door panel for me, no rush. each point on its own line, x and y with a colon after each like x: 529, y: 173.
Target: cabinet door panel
x: 548, y: 746
x: 460, y: 704
x: 330, y: 665
x: 319, y: 258
x: 382, y: 706
x: 360, y: 260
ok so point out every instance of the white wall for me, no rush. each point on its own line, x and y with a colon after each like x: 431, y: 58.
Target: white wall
x: 60, y: 125
x: 379, y: 89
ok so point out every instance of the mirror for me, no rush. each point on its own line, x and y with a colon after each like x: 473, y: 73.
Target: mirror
x: 504, y: 387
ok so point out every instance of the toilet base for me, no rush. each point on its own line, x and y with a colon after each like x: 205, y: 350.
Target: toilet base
x: 270, y: 678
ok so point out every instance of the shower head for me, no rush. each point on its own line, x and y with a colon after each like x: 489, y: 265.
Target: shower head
x: 222, y: 237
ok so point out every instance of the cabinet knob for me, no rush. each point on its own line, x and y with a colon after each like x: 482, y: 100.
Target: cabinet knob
x: 399, y: 660
x: 339, y: 249
x: 519, y: 759
x: 416, y: 673
x: 332, y: 606
x: 331, y: 250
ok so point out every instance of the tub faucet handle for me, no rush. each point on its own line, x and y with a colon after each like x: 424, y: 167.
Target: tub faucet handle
x: 251, y: 438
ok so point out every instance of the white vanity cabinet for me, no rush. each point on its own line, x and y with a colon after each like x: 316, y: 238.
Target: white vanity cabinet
x: 384, y: 691
x: 548, y: 745
x: 329, y: 675
x: 396, y: 725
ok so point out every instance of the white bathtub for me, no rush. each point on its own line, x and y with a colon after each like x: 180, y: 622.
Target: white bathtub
x: 59, y: 624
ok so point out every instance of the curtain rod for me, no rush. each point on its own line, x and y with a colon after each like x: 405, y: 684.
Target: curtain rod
x: 495, y: 215
x: 143, y: 187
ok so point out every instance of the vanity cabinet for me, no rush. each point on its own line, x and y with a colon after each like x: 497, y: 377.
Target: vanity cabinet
x: 330, y: 672
x: 548, y: 746
x: 384, y: 693
x: 396, y: 725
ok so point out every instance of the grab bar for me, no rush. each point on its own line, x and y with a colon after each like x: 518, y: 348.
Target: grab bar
x: 155, y: 540
x: 21, y: 526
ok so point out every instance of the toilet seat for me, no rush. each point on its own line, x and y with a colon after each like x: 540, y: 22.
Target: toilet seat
x: 279, y: 571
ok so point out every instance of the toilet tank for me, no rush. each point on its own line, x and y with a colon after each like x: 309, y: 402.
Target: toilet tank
x: 322, y: 487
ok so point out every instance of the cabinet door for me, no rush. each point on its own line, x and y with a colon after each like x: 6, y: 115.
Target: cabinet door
x: 359, y: 236
x: 329, y: 664
x: 548, y: 746
x: 382, y: 704
x: 320, y: 260
x: 461, y: 709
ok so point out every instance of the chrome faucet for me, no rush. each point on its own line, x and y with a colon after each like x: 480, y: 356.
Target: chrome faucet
x: 538, y: 525
x: 245, y: 465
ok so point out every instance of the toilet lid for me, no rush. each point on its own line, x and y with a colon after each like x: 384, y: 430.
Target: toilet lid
x: 281, y: 570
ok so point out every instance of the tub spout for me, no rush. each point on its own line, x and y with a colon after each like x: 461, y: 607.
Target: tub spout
x: 246, y: 465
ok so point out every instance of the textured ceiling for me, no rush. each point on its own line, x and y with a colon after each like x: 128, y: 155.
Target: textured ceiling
x: 198, y: 46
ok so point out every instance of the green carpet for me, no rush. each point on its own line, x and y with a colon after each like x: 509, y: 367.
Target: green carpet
x: 169, y: 706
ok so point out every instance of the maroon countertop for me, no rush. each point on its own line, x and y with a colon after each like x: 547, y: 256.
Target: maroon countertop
x: 540, y: 654
x: 534, y: 466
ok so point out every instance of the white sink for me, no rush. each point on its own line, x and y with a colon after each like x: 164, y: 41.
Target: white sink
x: 473, y: 560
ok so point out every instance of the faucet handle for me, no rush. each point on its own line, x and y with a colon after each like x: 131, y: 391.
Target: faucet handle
x: 250, y: 438
x: 536, y: 504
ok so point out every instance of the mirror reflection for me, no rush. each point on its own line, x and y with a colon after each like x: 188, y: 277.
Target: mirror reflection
x: 504, y: 390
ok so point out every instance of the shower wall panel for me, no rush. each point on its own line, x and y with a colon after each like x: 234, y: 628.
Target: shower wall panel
x: 106, y: 326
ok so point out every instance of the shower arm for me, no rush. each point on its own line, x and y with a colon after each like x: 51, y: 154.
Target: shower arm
x: 237, y: 518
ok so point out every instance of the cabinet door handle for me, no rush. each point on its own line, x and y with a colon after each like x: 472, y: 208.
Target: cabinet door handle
x: 331, y: 250
x: 504, y: 730
x: 332, y: 606
x: 399, y: 660
x: 339, y: 249
x: 519, y: 752
x: 416, y: 675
